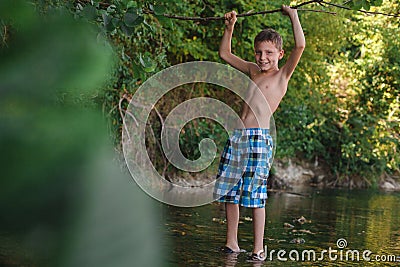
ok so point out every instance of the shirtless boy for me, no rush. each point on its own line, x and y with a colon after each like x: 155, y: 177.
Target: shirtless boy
x: 253, y: 144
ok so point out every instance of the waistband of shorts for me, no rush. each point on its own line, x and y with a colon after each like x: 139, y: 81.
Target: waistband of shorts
x: 252, y: 131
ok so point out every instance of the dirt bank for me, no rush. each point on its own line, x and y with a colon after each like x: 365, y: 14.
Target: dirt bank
x: 288, y: 173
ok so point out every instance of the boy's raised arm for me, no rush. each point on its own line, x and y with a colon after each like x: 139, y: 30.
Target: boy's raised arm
x: 225, y: 51
x: 299, y: 40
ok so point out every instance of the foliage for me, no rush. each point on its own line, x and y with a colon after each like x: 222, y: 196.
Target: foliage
x: 342, y: 105
x: 351, y: 115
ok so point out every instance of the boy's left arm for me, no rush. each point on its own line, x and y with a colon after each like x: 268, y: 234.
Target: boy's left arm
x: 299, y: 40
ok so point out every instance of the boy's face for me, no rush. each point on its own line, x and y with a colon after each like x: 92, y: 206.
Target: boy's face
x: 267, y: 55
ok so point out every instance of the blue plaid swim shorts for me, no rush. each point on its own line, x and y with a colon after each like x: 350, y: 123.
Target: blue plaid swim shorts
x: 244, y: 168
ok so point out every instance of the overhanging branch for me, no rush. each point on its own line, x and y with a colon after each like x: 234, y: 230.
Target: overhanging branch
x: 247, y: 14
x: 320, y: 2
x: 362, y: 11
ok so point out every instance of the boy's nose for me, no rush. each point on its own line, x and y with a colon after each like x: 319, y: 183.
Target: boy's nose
x: 263, y: 55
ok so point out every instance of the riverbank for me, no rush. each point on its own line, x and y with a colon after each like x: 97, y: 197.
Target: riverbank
x: 288, y: 173
x: 292, y: 173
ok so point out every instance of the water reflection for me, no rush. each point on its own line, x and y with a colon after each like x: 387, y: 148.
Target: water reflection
x: 231, y: 259
x: 365, y: 220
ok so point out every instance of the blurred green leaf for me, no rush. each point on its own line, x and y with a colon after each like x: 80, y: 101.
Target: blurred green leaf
x: 12, y: 9
x: 35, y: 52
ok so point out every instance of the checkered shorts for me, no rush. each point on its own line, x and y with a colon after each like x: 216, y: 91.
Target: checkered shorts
x: 244, y: 168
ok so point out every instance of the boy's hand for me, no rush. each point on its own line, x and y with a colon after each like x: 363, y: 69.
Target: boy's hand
x: 230, y: 19
x: 287, y: 10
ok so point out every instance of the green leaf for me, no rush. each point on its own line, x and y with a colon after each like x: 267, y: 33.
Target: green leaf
x: 356, y: 4
x: 130, y: 18
x: 139, y: 20
x: 146, y: 62
x: 111, y: 9
x: 127, y: 30
x: 159, y: 10
x: 131, y: 4
x: 366, y: 5
x: 137, y: 70
x: 376, y: 2
x: 116, y: 22
x: 106, y: 19
x: 125, y: 2
x: 133, y: 10
x: 108, y: 23
x: 165, y: 21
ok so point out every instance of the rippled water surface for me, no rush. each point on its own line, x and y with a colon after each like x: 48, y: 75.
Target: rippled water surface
x: 338, y: 226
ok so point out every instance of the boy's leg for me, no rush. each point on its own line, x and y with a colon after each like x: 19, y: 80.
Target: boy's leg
x: 258, y: 229
x: 232, y: 221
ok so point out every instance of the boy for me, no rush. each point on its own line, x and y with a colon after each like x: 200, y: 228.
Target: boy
x: 249, y: 151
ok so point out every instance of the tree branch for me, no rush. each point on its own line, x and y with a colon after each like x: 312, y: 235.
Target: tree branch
x: 246, y: 14
x: 362, y: 11
x: 320, y: 2
x: 317, y: 11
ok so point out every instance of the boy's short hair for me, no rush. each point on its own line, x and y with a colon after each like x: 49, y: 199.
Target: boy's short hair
x: 269, y: 35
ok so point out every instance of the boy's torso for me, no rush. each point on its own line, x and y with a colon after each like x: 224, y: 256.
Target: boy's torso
x: 272, y: 87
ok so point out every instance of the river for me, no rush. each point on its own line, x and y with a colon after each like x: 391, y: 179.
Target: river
x: 336, y: 228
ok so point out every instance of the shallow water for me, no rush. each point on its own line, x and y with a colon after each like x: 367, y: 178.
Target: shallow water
x: 363, y: 222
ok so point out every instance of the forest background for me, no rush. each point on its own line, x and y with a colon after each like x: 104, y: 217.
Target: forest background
x: 342, y: 107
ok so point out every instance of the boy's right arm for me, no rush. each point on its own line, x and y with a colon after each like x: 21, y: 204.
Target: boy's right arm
x: 225, y: 51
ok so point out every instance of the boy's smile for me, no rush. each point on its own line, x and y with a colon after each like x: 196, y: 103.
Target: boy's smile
x: 267, y: 56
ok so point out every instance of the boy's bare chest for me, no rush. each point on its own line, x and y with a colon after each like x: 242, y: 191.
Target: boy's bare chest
x: 270, y: 82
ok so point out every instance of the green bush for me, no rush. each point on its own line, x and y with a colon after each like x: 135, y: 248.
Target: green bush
x: 342, y: 104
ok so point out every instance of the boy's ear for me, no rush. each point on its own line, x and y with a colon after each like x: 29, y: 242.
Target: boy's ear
x: 281, y: 53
